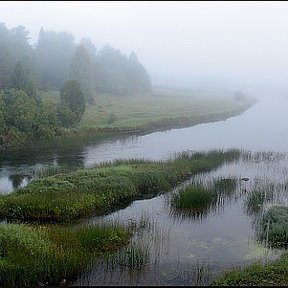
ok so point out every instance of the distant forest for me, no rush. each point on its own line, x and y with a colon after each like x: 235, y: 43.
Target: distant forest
x: 57, y: 62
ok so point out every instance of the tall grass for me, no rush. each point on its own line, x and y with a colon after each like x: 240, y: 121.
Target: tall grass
x: 273, y: 228
x: 194, y: 201
x: 33, y: 256
x: 52, y: 170
x: 66, y: 197
x: 132, y: 257
x: 197, y: 201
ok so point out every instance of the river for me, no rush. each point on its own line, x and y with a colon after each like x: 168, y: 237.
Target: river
x: 179, y: 249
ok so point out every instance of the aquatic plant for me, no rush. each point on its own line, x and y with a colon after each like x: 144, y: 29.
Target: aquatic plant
x: 193, y: 200
x: 197, y: 200
x: 254, y: 201
x: 133, y: 257
x: 273, y: 228
x: 224, y: 186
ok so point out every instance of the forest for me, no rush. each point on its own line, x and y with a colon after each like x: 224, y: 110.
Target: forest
x: 56, y: 62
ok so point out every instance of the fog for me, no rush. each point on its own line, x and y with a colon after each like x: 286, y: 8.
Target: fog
x: 211, y: 45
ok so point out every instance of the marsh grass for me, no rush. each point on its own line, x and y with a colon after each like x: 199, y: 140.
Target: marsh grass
x: 52, y: 170
x: 198, y: 199
x: 254, y: 202
x: 66, y: 197
x: 133, y: 257
x: 194, y: 201
x: 258, y: 274
x: 224, y: 186
x: 49, y: 255
x: 143, y: 254
x: 273, y: 230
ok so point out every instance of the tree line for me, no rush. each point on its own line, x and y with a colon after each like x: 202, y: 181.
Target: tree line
x: 78, y: 70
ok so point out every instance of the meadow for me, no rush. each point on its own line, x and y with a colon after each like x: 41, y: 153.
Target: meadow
x: 159, y: 110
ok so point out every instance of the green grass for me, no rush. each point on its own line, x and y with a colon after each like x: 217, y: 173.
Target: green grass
x: 274, y: 226
x: 30, y: 255
x: 197, y: 201
x: 193, y: 197
x: 161, y: 109
x: 66, y: 197
x: 257, y: 274
x: 254, y: 202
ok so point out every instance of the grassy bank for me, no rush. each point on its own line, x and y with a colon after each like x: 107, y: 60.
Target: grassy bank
x: 69, y: 196
x: 33, y: 256
x: 258, y: 274
x: 163, y: 109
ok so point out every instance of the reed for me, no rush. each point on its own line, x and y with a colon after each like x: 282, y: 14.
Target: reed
x: 273, y: 228
x: 198, y: 200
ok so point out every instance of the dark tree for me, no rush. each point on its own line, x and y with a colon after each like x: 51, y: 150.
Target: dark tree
x: 121, y: 75
x: 72, y: 97
x: 82, y: 71
x: 54, y: 53
x: 14, y: 47
x: 2, y: 114
x: 22, y: 79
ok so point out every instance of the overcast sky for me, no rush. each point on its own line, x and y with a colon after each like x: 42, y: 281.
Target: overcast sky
x: 182, y: 43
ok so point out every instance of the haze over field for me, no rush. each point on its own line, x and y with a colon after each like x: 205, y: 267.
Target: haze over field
x: 206, y: 44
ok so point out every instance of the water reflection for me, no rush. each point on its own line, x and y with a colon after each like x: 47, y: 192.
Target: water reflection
x: 252, y: 130
x: 197, y: 204
x: 193, y: 249
x: 19, y: 180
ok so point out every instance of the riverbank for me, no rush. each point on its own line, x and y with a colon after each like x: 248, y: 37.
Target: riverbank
x: 161, y: 110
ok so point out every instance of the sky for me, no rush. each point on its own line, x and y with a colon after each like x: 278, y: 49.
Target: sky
x: 212, y: 44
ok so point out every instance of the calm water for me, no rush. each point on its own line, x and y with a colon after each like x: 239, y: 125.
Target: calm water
x: 187, y: 250
x: 261, y: 128
x: 179, y: 249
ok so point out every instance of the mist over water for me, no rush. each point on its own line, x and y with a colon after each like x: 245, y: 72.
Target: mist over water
x: 254, y: 130
x: 216, y: 47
